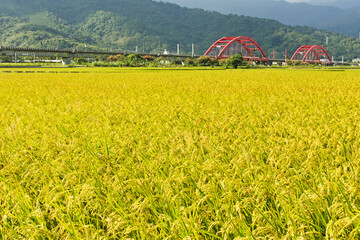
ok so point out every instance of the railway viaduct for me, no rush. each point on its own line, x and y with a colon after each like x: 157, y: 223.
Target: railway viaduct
x: 67, y: 54
x: 221, y: 49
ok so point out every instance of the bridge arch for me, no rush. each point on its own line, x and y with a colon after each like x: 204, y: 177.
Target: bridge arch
x: 228, y: 46
x: 312, y: 54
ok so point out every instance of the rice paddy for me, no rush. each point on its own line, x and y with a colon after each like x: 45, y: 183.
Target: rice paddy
x: 166, y: 154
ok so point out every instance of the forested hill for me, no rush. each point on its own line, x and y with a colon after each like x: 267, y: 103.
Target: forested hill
x: 124, y: 24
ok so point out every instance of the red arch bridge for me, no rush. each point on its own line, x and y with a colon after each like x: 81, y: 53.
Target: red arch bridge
x: 251, y: 51
x: 312, y: 54
x: 227, y: 46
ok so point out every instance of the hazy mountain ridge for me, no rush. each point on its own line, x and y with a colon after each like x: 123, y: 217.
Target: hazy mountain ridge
x: 345, y: 21
x: 124, y: 24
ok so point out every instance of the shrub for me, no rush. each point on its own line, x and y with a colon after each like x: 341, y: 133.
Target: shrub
x: 235, y: 61
x: 297, y: 63
x: 111, y: 59
x: 81, y: 60
x: 178, y: 61
x: 120, y: 58
x: 135, y: 60
x: 189, y: 62
x: 205, y: 61
x: 148, y: 58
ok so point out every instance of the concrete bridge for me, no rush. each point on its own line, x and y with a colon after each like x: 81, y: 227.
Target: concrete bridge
x: 67, y: 54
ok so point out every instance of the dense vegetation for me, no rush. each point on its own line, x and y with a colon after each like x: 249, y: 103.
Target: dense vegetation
x: 152, y: 26
x: 142, y: 154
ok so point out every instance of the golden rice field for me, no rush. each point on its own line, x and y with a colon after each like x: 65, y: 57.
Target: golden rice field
x: 180, y: 154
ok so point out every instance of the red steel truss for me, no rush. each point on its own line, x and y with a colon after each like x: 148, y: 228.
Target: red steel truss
x: 312, y: 54
x: 228, y: 46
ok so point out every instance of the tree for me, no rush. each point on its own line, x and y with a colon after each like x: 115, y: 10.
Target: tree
x: 235, y: 61
x: 206, y: 61
x: 135, y: 60
x: 190, y: 62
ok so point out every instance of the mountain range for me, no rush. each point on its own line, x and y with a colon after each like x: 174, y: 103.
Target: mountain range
x: 343, y: 20
x: 152, y: 26
x: 345, y: 4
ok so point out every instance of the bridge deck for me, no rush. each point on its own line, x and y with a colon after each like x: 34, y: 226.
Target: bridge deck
x: 79, y: 53
x: 71, y: 53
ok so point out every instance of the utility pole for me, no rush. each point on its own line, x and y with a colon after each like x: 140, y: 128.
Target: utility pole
x: 143, y: 46
x: 192, y: 50
x: 136, y: 49
x: 327, y: 41
x: 178, y: 49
